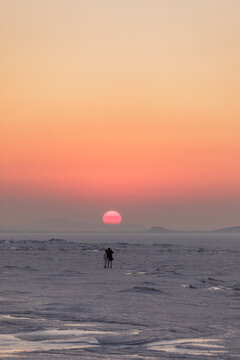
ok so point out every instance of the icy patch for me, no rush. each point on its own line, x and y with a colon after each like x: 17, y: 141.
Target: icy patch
x: 189, y: 346
x: 10, y: 317
x: 10, y: 344
x: 55, y: 339
x: 63, y: 333
x: 128, y: 272
x: 135, y: 357
x: 216, y: 288
x: 80, y: 324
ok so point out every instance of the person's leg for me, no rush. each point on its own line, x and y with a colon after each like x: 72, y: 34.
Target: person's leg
x: 105, y: 263
x: 110, y: 263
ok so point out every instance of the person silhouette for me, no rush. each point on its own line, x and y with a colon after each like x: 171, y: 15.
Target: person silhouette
x: 105, y: 258
x: 109, y: 257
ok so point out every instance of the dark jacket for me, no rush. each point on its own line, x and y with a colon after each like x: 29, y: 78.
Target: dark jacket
x: 109, y: 254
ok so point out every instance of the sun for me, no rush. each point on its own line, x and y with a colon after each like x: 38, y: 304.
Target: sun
x: 112, y: 218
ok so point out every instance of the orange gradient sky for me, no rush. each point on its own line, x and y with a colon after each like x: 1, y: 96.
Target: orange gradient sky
x: 131, y: 105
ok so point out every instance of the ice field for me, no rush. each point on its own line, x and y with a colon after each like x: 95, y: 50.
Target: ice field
x: 168, y: 296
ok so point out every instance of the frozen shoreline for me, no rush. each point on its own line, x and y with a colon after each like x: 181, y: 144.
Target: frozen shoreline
x: 164, y: 298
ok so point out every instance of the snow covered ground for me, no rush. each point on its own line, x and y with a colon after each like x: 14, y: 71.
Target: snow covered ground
x: 168, y: 296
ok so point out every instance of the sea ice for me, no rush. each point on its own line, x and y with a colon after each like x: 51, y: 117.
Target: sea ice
x: 167, y: 297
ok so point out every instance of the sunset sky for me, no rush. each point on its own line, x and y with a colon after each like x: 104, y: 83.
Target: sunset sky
x: 128, y: 105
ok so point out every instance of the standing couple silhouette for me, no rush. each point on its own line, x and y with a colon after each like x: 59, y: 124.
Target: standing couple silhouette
x: 108, y: 257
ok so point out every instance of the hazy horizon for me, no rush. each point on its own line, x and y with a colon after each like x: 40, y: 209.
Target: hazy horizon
x: 67, y: 226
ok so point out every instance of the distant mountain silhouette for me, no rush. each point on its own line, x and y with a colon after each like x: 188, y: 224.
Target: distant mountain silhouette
x: 64, y: 225
x: 227, y: 230
x: 233, y: 229
x: 160, y: 229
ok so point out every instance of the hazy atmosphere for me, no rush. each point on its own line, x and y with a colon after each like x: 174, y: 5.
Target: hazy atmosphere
x: 127, y: 105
